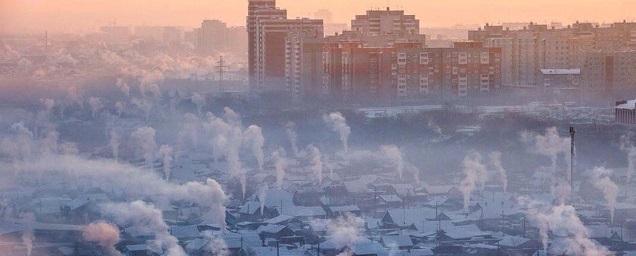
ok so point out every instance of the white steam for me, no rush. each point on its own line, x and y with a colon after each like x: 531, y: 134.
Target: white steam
x: 292, y: 136
x: 104, y: 234
x: 143, y: 218
x: 475, y: 175
x: 495, y: 160
x: 253, y: 138
x: 337, y: 122
x: 144, y: 137
x: 601, y: 179
x: 166, y: 154
x: 315, y: 161
x: 394, y: 156
x: 280, y: 164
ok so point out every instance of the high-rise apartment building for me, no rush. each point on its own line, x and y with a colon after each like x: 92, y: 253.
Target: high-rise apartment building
x: 385, y: 22
x: 528, y: 50
x: 259, y: 11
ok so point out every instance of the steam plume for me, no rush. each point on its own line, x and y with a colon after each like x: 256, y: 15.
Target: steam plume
x: 145, y: 139
x: 338, y: 124
x: 474, y: 175
x: 143, y: 218
x: 27, y: 234
x: 262, y: 196
x: 495, y: 159
x: 600, y: 178
x: 280, y: 164
x: 253, y: 137
x: 628, y: 147
x: 166, y: 153
x: 315, y: 161
x: 198, y: 101
x: 136, y: 184
x: 104, y: 234
x: 290, y: 130
x: 345, y: 231
x: 571, y: 237
x: 394, y: 155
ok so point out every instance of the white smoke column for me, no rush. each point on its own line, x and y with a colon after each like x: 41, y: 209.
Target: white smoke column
x: 219, y: 131
x: 166, y: 153
x: 216, y: 245
x: 233, y: 159
x: 254, y: 139
x: 115, y: 141
x: 628, y: 147
x: 338, y: 124
x: 145, y: 139
x: 123, y: 87
x: 552, y: 145
x: 561, y: 191
x: 394, y: 155
x: 231, y: 117
x: 571, y: 236
x: 262, y: 196
x: 96, y: 105
x: 495, y: 160
x: 600, y: 178
x: 315, y: 161
x: 137, y: 184
x: 290, y: 130
x: 199, y: 101
x: 104, y: 234
x: 474, y: 175
x: 280, y: 164
x: 188, y: 136
x: 143, y: 218
x: 119, y: 108
x: 21, y: 146
x: 345, y: 231
x: 27, y: 234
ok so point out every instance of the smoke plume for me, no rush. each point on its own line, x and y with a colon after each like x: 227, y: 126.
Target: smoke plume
x: 290, y: 130
x: 114, y: 143
x: 166, y: 154
x: 253, y: 138
x: 131, y: 181
x: 143, y: 218
x: 571, y: 237
x: 394, y: 155
x: 315, y: 161
x: 338, y: 124
x: 145, y: 139
x: 495, y: 160
x: 280, y: 164
x: 345, y: 231
x: 104, y: 234
x: 474, y: 175
x: 600, y: 178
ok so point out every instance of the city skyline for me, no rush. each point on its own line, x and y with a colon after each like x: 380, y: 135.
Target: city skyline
x: 41, y: 15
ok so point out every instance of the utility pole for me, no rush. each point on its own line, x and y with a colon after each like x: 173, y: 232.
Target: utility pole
x: 221, y: 69
x: 572, y: 133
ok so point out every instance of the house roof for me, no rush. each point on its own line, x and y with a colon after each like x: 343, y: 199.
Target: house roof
x: 279, y: 219
x: 397, y: 240
x: 512, y: 241
x: 181, y: 232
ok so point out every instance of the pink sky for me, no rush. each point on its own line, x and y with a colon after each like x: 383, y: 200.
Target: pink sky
x: 88, y: 15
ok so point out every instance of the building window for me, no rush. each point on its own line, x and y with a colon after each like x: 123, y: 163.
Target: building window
x: 484, y: 58
x: 462, y: 58
x: 424, y: 84
x: 424, y: 60
x: 401, y: 58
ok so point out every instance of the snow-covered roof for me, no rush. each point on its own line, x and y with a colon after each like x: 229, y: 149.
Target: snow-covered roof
x: 391, y: 198
x: 561, y: 71
x: 270, y: 229
x: 630, y: 104
x: 397, y: 241
x: 279, y: 219
x: 182, y: 232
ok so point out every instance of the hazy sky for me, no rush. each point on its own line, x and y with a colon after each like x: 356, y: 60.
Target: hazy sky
x: 88, y: 15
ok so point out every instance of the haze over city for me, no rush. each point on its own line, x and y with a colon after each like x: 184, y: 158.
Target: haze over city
x: 317, y: 128
x: 82, y: 16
